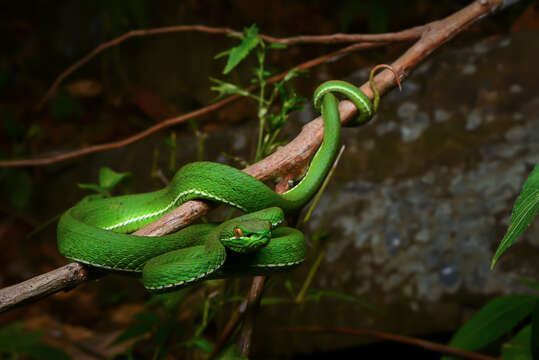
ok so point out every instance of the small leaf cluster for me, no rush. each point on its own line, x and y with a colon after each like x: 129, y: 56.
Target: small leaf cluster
x: 108, y: 180
x: 270, y: 121
x: 17, y: 342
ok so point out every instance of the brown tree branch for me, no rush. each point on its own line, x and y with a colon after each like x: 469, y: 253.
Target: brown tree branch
x: 63, y: 278
x: 293, y: 155
x: 425, y: 344
x: 178, y: 119
x: 408, y: 34
x: 253, y: 301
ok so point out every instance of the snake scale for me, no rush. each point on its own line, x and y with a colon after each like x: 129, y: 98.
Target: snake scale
x: 97, y: 232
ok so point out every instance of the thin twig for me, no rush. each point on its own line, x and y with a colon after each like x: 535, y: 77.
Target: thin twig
x: 178, y: 119
x: 408, y: 34
x: 425, y: 344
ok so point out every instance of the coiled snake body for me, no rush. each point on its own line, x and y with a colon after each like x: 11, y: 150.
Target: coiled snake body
x: 96, y: 232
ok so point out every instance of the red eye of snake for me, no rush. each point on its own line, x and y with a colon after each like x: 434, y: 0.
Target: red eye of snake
x: 238, y: 232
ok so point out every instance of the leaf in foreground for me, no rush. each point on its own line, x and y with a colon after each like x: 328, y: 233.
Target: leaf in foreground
x: 525, y: 209
x: 518, y: 348
x: 493, y: 320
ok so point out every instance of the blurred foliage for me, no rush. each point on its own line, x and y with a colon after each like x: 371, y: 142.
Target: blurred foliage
x: 501, y: 316
x: 270, y: 123
x: 499, y: 319
x: 19, y: 343
x: 16, y: 183
x: 66, y: 107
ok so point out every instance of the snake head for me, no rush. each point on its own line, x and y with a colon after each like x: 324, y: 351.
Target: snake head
x: 247, y: 235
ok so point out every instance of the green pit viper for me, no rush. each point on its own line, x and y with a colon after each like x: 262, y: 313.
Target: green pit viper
x: 96, y: 232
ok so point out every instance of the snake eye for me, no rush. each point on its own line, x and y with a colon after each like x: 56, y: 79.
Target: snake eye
x: 238, y: 232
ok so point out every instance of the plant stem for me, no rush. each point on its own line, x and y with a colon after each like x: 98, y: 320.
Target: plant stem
x: 312, y: 272
x: 262, y: 109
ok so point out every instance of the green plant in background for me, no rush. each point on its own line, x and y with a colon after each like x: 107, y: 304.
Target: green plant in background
x: 64, y: 106
x: 158, y: 327
x: 507, y: 316
x: 16, y: 342
x: 270, y: 123
x: 15, y: 183
x: 108, y: 180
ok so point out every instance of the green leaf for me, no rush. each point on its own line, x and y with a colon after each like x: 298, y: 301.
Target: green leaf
x: 494, y: 319
x: 249, y: 41
x: 231, y: 353
x: 15, y: 340
x: 525, y: 209
x: 276, y: 121
x: 293, y: 103
x: 109, y: 178
x: 225, y: 88
x: 148, y: 319
x: 277, y: 46
x: 530, y: 283
x: 518, y: 348
x: 292, y: 74
x: 94, y: 187
x: 132, y: 332
x: 17, y: 185
x: 200, y: 343
x: 534, y: 341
